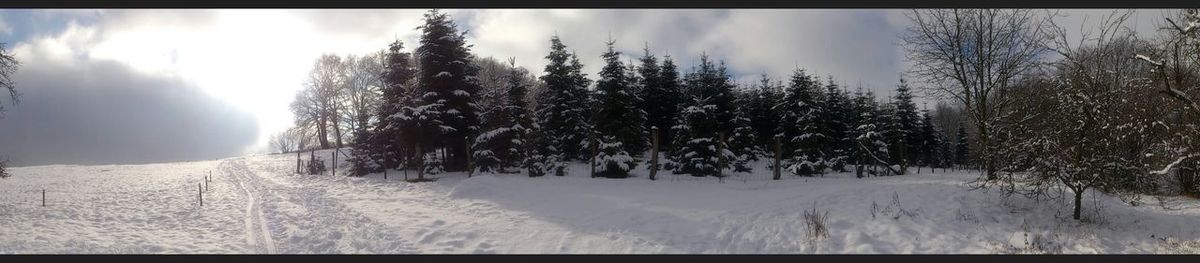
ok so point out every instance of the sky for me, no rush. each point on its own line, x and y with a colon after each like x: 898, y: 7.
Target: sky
x: 149, y: 85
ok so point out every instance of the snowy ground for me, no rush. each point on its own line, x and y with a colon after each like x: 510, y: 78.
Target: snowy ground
x: 256, y: 204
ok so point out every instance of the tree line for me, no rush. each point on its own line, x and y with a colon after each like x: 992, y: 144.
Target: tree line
x: 440, y: 108
x: 1035, y: 113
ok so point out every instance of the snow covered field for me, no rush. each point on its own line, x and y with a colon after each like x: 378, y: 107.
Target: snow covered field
x: 256, y: 205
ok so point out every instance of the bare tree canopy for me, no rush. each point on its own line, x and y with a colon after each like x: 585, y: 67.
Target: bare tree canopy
x: 972, y: 56
x: 317, y: 105
x: 8, y: 67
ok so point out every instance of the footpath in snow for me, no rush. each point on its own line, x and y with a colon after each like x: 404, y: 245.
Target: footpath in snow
x: 256, y: 204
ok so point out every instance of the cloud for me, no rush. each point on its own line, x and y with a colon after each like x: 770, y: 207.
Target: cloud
x: 5, y: 29
x: 79, y: 110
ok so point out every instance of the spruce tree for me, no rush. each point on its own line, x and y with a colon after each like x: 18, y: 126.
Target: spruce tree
x: 930, y: 142
x: 907, y: 124
x: 617, y: 117
x: 743, y: 148
x: 888, y: 126
x: 562, y: 110
x: 962, y: 148
x: 387, y: 145
x: 834, y: 123
x: 504, y: 146
x: 800, y: 126
x: 708, y: 114
x: 446, y: 78
x: 759, y: 107
x: 871, y: 140
x: 670, y: 100
x: 659, y: 94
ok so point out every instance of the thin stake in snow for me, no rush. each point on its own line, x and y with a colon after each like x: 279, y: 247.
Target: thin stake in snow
x: 200, y: 193
x: 43, y: 197
x: 297, y: 162
x: 333, y: 163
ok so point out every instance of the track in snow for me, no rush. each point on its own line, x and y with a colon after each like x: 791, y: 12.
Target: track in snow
x: 257, y: 234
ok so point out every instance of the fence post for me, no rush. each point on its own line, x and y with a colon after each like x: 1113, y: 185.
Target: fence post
x: 333, y: 163
x: 200, y: 194
x: 297, y: 162
x: 653, y: 151
x: 43, y: 197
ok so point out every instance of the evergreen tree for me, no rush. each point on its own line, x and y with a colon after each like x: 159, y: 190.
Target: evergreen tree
x: 800, y: 126
x: 670, y: 101
x: 617, y: 115
x: 962, y: 148
x: 505, y: 146
x: 764, y: 120
x: 659, y: 92
x: 446, y: 78
x: 708, y: 114
x: 872, y: 149
x: 930, y: 141
x: 612, y: 161
x: 834, y: 123
x: 856, y: 111
x: 908, y: 124
x: 385, y: 143
x: 698, y: 154
x: 888, y: 126
x: 562, y: 110
x: 742, y: 146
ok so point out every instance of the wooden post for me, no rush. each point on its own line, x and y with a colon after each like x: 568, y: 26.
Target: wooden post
x: 720, y: 156
x: 653, y: 151
x: 200, y: 193
x: 312, y: 156
x: 467, y: 145
x: 298, y: 162
x: 778, y: 156
x: 43, y: 197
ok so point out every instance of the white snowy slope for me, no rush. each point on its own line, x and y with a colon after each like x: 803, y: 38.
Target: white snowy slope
x: 256, y: 204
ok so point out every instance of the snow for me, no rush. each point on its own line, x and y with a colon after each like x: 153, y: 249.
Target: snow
x: 256, y: 205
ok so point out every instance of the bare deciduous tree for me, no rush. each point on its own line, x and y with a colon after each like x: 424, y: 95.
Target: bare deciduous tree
x: 290, y: 140
x: 972, y: 56
x: 317, y: 104
x: 8, y: 67
x: 361, y: 96
x: 1085, y: 126
x: 1175, y: 73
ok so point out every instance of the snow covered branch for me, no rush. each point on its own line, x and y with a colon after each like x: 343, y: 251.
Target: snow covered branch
x: 1173, y: 164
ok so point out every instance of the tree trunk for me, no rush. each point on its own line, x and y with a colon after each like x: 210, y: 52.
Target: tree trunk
x: 653, y: 152
x: 322, y: 133
x: 420, y: 164
x: 778, y: 162
x: 1078, y: 202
